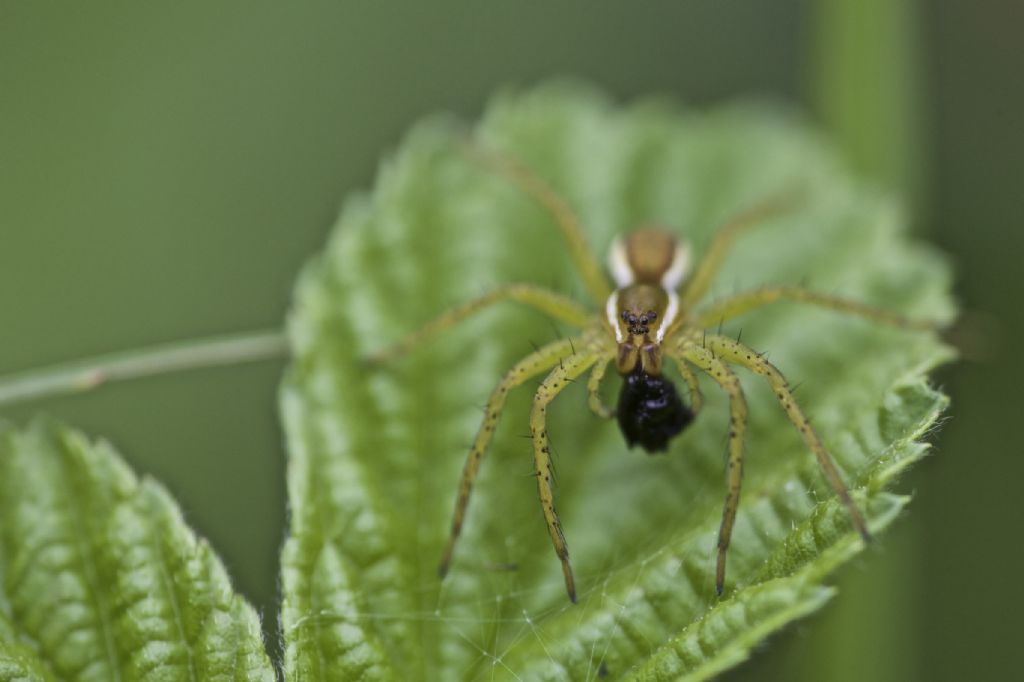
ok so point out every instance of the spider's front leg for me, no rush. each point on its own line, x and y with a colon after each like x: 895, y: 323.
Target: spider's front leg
x: 557, y: 380
x: 695, y: 286
x: 688, y: 350
x: 530, y: 366
x: 568, y: 223
x: 739, y: 354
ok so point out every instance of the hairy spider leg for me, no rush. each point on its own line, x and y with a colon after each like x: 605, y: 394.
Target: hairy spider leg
x: 734, y: 306
x: 541, y: 192
x: 696, y: 397
x: 542, y: 360
x: 593, y: 389
x: 736, y: 352
x: 690, y: 351
x: 558, y: 379
x: 546, y: 301
x: 696, y: 286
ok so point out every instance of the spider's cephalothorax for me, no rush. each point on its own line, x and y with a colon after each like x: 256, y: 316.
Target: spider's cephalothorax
x: 655, y: 311
x: 650, y: 412
x: 648, y: 265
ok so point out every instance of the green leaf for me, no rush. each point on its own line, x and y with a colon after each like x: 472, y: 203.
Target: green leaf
x: 376, y: 454
x: 102, y: 579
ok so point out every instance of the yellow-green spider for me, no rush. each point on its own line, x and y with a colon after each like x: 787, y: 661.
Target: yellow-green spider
x: 652, y: 309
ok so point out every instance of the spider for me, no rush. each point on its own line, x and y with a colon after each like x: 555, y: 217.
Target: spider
x: 652, y: 310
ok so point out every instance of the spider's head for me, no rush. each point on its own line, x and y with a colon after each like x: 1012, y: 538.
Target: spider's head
x: 640, y: 315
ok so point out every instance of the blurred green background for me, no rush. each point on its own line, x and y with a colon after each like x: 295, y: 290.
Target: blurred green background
x: 165, y: 169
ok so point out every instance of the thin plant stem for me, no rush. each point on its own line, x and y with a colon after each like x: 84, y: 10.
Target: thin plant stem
x: 867, y: 85
x: 87, y: 374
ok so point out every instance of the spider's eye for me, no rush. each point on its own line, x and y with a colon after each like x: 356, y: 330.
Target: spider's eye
x: 625, y: 316
x: 651, y: 315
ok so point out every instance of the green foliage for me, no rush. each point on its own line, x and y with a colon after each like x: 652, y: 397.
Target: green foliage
x: 101, y: 578
x: 375, y: 455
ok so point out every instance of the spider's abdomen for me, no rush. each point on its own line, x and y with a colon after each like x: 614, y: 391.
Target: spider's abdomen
x: 650, y: 412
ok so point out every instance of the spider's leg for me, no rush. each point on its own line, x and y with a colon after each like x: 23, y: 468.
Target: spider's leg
x: 736, y: 352
x: 558, y: 379
x: 734, y: 306
x: 694, y: 287
x: 515, y: 171
x: 544, y: 300
x: 540, y: 361
x: 593, y: 389
x: 696, y: 397
x: 717, y: 370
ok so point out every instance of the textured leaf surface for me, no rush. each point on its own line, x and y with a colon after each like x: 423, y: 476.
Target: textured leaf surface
x: 101, y: 578
x: 375, y: 455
